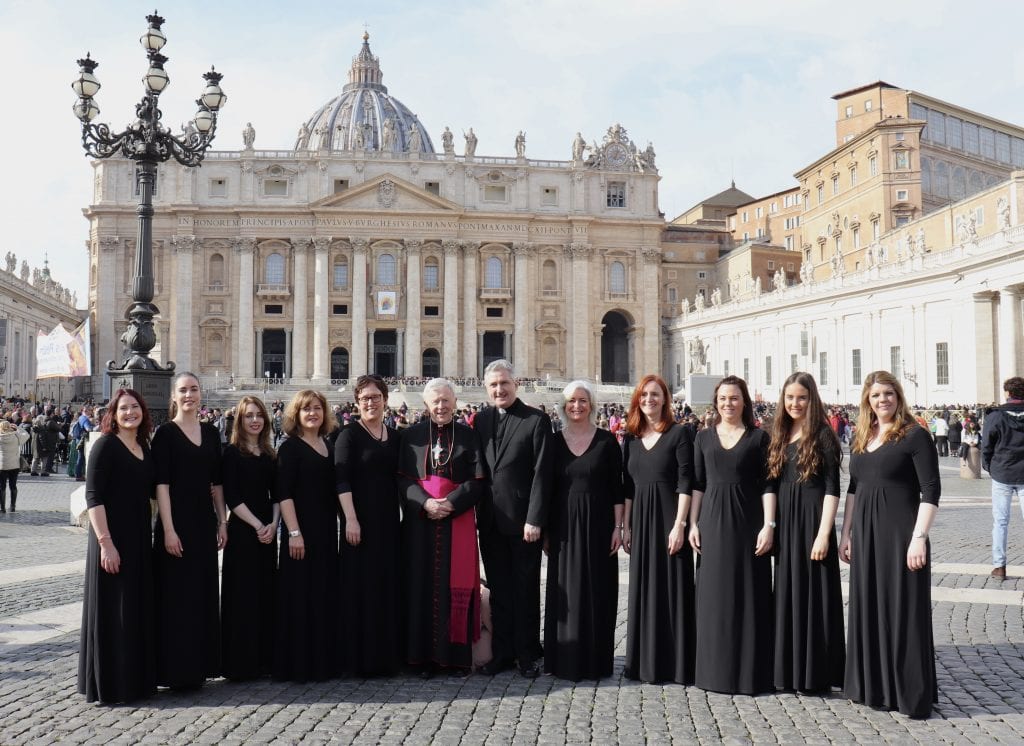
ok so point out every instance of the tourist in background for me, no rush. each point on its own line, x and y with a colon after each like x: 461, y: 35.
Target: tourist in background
x: 365, y: 473
x: 803, y: 470
x: 1002, y: 456
x: 11, y: 440
x: 658, y: 476
x: 190, y: 528
x: 307, y: 638
x: 582, y: 539
x: 732, y: 528
x: 890, y: 505
x: 117, y: 645
x: 250, y: 557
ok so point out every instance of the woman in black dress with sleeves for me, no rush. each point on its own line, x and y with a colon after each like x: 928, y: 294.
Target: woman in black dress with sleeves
x: 732, y: 524
x: 890, y: 505
x: 658, y: 470
x: 117, y: 649
x: 365, y: 468
x: 190, y: 529
x: 306, y: 639
x: 250, y: 557
x: 803, y: 470
x: 583, y: 540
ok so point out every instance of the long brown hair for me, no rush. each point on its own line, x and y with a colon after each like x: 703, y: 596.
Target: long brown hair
x: 109, y: 422
x: 748, y: 403
x: 815, y: 432
x: 238, y: 434
x: 302, y: 399
x: 172, y: 407
x: 902, y: 420
x: 636, y: 423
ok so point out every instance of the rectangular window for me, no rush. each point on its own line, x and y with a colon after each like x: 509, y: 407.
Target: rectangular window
x: 431, y: 277
x: 823, y: 369
x: 896, y: 361
x: 855, y: 371
x: 1003, y: 147
x: 937, y: 126
x: 789, y: 242
x: 431, y: 310
x: 849, y: 112
x: 988, y: 143
x: 340, y: 185
x: 702, y: 275
x: 273, y: 308
x: 768, y: 370
x: 760, y: 232
x: 942, y: 363
x: 902, y: 195
x: 339, y: 309
x: 746, y: 369
x: 873, y: 166
x: 902, y: 220
x: 672, y: 294
x: 971, y: 139
x: 725, y: 368
x: 853, y: 176
x: 275, y: 187
x: 492, y: 312
x: 616, y: 194
x: 549, y: 197
x: 867, y: 104
x: 835, y: 185
x: 759, y: 212
x: 746, y: 235
x: 787, y: 201
x: 218, y: 187
x: 793, y: 364
x: 821, y: 194
x: 979, y: 216
x: 494, y: 193
x: 901, y: 160
x: 771, y: 264
x: 434, y: 187
x: 955, y: 133
x: 804, y: 342
x: 1017, y: 152
x: 746, y: 216
x: 900, y: 137
x: 875, y: 230
x: 774, y: 207
x: 856, y: 238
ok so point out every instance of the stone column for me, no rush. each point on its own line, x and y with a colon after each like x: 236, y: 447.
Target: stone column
x: 508, y: 346
x: 244, y: 362
x: 649, y: 289
x: 369, y: 346
x: 300, y: 314
x: 479, y: 362
x: 321, y: 273
x: 472, y: 342
x: 579, y: 355
x: 1009, y: 333
x: 287, y: 353
x: 259, y: 353
x: 413, y: 310
x: 400, y: 352
x: 106, y: 313
x: 358, y: 358
x: 983, y: 356
x: 184, y: 248
x: 450, y: 356
x: 523, y: 339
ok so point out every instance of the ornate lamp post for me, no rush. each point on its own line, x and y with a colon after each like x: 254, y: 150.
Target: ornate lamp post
x: 147, y: 142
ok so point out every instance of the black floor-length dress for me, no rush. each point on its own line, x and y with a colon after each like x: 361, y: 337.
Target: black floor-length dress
x: 735, y: 615
x: 248, y: 579
x: 890, y: 652
x: 660, y: 617
x: 810, y: 644
x: 187, y: 599
x: 371, y: 586
x: 583, y: 576
x: 117, y: 649
x: 306, y: 635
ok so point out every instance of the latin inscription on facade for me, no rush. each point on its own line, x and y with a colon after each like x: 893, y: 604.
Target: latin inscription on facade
x: 382, y: 223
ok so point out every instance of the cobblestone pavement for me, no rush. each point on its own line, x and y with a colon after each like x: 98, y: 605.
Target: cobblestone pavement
x: 979, y: 639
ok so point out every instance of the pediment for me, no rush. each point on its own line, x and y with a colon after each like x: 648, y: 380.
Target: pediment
x: 385, y: 192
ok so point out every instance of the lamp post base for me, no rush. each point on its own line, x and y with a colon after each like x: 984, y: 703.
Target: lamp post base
x: 153, y: 385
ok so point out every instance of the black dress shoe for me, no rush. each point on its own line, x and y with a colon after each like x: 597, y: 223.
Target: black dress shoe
x: 494, y: 667
x: 427, y: 672
x: 531, y: 670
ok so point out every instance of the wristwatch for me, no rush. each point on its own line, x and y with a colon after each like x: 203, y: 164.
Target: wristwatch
x: 295, y: 533
x: 771, y: 524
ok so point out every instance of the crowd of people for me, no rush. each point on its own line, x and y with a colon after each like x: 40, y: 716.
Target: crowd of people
x: 354, y: 547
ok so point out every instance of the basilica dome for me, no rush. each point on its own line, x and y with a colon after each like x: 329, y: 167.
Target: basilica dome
x: 364, y: 116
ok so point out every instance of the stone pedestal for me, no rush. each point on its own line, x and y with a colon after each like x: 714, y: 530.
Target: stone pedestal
x: 153, y: 385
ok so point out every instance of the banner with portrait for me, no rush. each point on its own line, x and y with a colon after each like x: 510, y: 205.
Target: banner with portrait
x: 64, y: 354
x: 387, y: 303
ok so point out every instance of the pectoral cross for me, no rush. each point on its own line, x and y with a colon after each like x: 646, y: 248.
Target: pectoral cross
x: 436, y: 450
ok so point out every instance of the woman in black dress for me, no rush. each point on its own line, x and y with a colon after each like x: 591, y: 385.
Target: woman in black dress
x: 306, y: 639
x: 732, y: 526
x: 803, y: 470
x: 658, y: 473
x: 365, y: 467
x: 117, y: 649
x: 250, y: 557
x: 190, y: 529
x: 440, y: 475
x: 583, y: 540
x: 890, y: 505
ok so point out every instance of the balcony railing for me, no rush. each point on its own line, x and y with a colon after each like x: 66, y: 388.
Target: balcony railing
x: 273, y: 290
x: 495, y: 293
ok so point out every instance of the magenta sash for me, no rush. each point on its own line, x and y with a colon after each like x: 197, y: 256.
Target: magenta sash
x: 464, y: 573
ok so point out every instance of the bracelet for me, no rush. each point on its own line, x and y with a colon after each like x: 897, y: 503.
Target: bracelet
x: 922, y: 535
x: 771, y: 524
x: 295, y: 533
x: 621, y: 526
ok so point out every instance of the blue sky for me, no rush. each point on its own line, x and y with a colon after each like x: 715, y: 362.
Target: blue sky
x: 734, y: 90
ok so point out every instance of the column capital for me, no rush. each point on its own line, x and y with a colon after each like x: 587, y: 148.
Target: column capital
x: 522, y: 248
x: 577, y: 250
x: 470, y: 246
x: 651, y: 255
x: 322, y: 243
x: 300, y: 244
x: 358, y: 244
x: 109, y: 243
x: 451, y: 247
x: 184, y: 244
x: 413, y: 246
x: 243, y: 244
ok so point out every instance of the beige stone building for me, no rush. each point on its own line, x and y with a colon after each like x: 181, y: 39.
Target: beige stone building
x: 362, y: 248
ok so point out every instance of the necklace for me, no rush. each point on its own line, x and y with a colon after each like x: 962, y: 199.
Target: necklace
x: 366, y: 427
x: 435, y: 453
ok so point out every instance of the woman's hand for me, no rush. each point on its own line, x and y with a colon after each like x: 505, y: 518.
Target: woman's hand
x: 266, y: 534
x: 616, y: 540
x: 222, y: 534
x: 110, y: 559
x: 764, y: 541
x: 676, y: 538
x: 353, y: 532
x: 695, y: 538
x: 820, y: 547
x: 296, y: 547
x: 845, y: 549
x: 627, y: 539
x: 172, y: 544
x: 917, y: 554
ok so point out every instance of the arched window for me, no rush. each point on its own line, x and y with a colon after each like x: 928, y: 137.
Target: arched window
x: 926, y: 175
x: 339, y: 363
x: 550, y: 353
x: 431, y: 274
x: 431, y: 363
x: 274, y: 270
x: 958, y: 188
x: 940, y: 180
x: 493, y: 274
x: 217, y: 270
x: 341, y: 273
x: 549, y: 275
x: 617, y: 277
x: 386, y: 271
x: 215, y: 349
x: 976, y: 183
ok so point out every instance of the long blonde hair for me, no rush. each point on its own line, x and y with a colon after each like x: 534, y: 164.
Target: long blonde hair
x: 902, y: 420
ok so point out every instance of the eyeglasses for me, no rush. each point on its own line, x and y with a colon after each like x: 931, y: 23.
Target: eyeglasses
x: 253, y: 416
x: 371, y: 399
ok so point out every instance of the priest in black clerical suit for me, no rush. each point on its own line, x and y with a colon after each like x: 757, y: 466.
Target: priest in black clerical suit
x: 514, y: 439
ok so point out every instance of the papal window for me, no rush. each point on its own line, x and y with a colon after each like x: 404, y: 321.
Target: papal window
x: 617, y: 277
x: 273, y: 270
x: 493, y: 273
x: 386, y: 271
